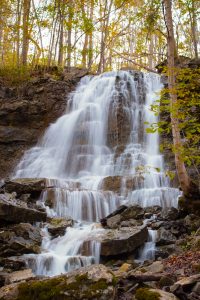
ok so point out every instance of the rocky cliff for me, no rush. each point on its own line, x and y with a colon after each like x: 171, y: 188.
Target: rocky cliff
x: 26, y: 111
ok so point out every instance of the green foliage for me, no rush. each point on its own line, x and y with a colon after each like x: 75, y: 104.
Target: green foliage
x: 187, y: 111
x: 15, y: 75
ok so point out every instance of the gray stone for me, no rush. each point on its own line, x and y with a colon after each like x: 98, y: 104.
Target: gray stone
x: 57, y: 226
x: 14, y: 211
x: 19, y: 239
x: 165, y: 237
x: 123, y: 240
x: 32, y: 186
x: 93, y: 282
x: 19, y: 276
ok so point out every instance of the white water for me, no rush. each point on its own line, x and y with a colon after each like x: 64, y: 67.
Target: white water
x: 148, y: 250
x: 76, y: 154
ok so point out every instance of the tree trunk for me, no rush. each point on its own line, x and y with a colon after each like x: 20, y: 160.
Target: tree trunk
x: 193, y: 20
x: 184, y: 180
x: 61, y: 36
x: 25, y: 41
x: 69, y: 35
x: 90, y: 50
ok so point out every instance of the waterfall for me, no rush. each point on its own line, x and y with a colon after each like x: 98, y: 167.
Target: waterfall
x: 100, y: 138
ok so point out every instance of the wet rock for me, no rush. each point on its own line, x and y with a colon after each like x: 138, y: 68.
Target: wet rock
x: 32, y: 186
x: 165, y: 237
x: 124, y: 213
x: 94, y: 282
x: 14, y: 211
x: 57, y: 226
x: 153, y: 209
x: 192, y: 222
x: 170, y: 214
x: 114, y: 183
x: 124, y: 240
x: 13, y: 263
x: 165, y: 251
x: 19, y: 239
x: 19, y: 276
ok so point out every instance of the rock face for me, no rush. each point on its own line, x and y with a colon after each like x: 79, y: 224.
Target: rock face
x: 32, y: 186
x: 57, y: 226
x: 123, y: 240
x: 113, y: 183
x: 94, y: 282
x: 26, y: 111
x: 119, y: 115
x: 123, y: 216
x: 15, y: 211
x: 19, y: 239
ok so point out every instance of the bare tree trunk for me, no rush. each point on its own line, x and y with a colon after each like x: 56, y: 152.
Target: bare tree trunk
x: 90, y: 50
x: 69, y: 36
x: 25, y: 41
x: 1, y: 37
x: 104, y: 35
x: 61, y: 36
x: 184, y: 179
x: 193, y: 21
x: 85, y: 45
x: 40, y: 32
x: 150, y: 56
x: 18, y: 31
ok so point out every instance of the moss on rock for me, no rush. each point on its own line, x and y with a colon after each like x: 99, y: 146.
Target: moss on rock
x: 146, y: 294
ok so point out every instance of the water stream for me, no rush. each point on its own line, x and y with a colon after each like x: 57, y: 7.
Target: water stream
x: 100, y: 139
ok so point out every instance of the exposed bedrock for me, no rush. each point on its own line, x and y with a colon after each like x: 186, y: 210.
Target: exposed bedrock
x: 26, y: 111
x: 94, y: 282
x: 15, y: 211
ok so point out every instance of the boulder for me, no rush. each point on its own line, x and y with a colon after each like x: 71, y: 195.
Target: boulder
x: 123, y: 214
x: 170, y: 214
x: 155, y: 267
x: 192, y: 222
x: 20, y: 239
x: 32, y: 186
x: 93, y: 282
x: 14, y: 211
x: 57, y: 226
x: 13, y: 263
x: 123, y: 240
x: 19, y: 276
x: 165, y: 237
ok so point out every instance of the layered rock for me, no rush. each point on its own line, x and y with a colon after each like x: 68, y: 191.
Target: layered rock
x: 32, y: 186
x: 19, y: 239
x: 57, y: 226
x: 16, y: 211
x: 124, y: 240
x: 26, y: 111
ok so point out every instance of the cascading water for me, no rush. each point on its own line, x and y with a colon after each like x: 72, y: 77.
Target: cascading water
x: 101, y: 135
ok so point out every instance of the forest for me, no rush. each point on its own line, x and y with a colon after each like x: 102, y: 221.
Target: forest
x: 99, y: 150
x: 99, y: 35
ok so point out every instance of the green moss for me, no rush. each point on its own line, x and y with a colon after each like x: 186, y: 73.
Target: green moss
x: 41, y: 290
x: 61, y: 289
x: 165, y: 281
x: 146, y: 294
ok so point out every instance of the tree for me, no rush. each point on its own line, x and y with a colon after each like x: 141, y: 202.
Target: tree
x: 188, y: 187
x: 25, y: 41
